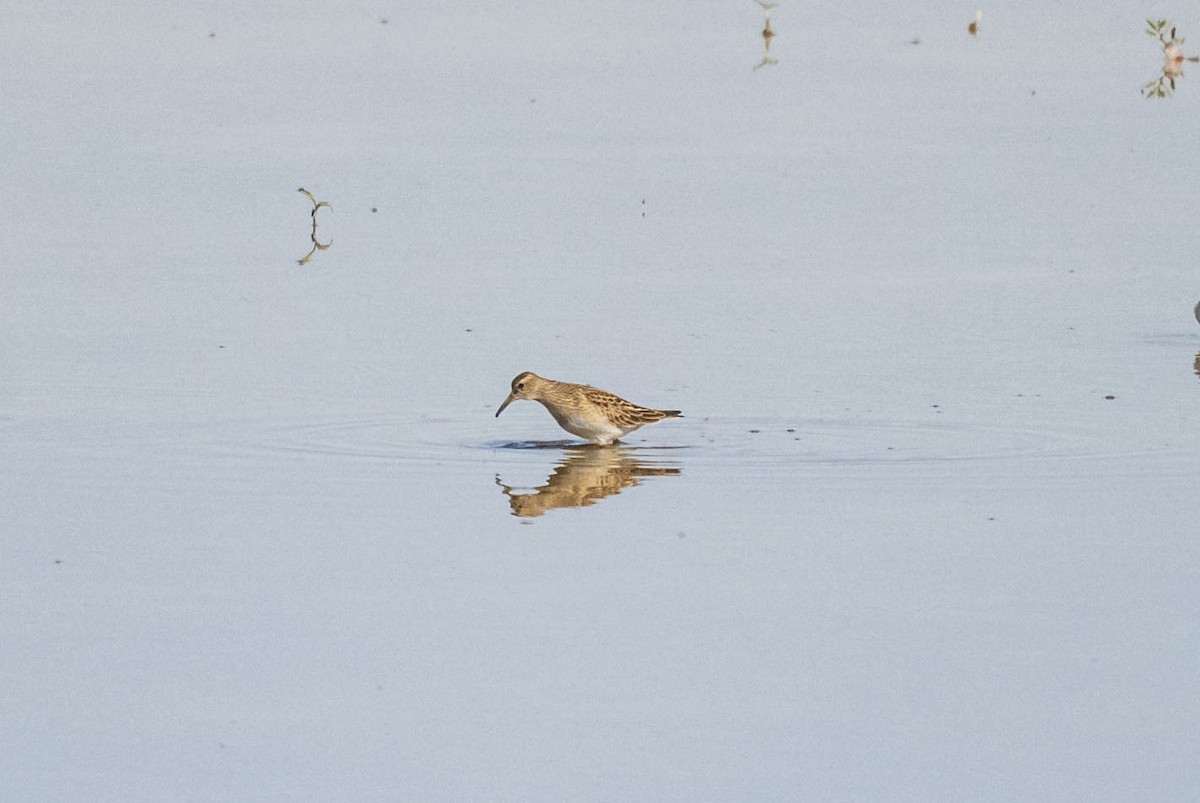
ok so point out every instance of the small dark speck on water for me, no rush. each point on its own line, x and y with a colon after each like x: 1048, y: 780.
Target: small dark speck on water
x: 468, y: 330
x: 220, y: 347
x: 212, y: 35
x: 791, y: 429
x: 57, y: 561
x: 934, y: 405
x: 383, y: 21
x: 756, y: 431
x: 373, y: 210
x: 1110, y: 397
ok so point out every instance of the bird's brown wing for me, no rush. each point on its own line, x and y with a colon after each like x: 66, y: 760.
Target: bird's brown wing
x: 624, y: 413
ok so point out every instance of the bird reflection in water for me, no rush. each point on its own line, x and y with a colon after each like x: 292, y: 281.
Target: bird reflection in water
x: 586, y: 474
x: 1173, y: 59
x: 767, y: 35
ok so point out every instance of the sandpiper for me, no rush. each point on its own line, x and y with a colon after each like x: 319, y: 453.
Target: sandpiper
x: 593, y: 414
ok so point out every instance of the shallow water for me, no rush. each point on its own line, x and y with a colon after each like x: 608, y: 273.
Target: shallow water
x: 926, y: 530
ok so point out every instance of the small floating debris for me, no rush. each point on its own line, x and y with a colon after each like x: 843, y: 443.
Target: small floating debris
x: 768, y: 33
x: 316, y: 244
x: 973, y: 28
x: 1173, y: 58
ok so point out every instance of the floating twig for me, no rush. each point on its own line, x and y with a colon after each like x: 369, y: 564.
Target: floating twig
x: 317, y: 245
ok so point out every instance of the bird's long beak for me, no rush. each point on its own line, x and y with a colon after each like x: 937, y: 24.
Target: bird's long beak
x: 507, y: 402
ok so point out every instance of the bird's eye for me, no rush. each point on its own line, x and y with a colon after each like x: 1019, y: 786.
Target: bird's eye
x: 520, y: 386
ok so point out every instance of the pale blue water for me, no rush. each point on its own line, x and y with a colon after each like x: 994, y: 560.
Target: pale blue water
x: 259, y: 530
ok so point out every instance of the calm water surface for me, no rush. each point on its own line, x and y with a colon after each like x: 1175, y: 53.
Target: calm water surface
x: 925, y: 299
